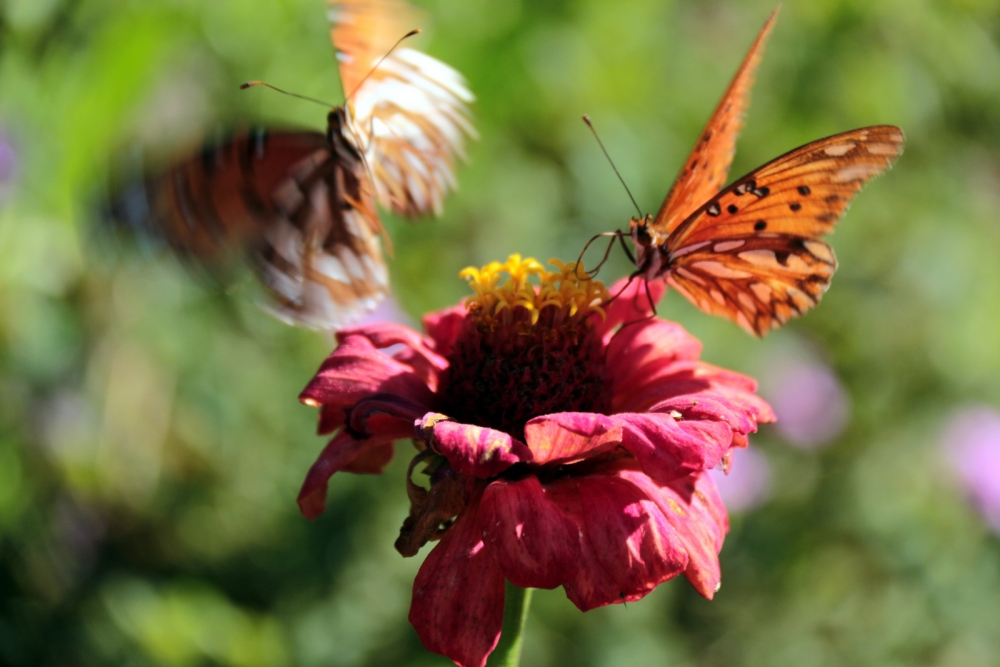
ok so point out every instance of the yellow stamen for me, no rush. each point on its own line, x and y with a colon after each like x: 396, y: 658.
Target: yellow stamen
x: 562, y: 289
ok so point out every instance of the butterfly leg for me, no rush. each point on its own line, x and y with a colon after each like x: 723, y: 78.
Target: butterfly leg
x: 628, y: 253
x: 593, y: 272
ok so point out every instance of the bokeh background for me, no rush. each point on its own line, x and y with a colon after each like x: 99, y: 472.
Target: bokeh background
x: 151, y: 444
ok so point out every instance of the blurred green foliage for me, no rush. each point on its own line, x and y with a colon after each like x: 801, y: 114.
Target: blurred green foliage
x: 151, y: 445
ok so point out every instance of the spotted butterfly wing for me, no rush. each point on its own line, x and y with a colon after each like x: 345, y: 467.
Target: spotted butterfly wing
x: 407, y: 111
x: 752, y: 253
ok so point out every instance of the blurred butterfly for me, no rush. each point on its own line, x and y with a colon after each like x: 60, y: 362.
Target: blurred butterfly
x: 301, y: 205
x: 751, y: 251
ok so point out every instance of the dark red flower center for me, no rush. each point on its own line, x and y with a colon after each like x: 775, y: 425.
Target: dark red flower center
x: 526, y: 351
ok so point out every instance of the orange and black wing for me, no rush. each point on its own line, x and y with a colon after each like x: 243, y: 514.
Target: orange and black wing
x: 707, y: 168
x: 286, y: 203
x: 752, y: 253
x: 218, y: 198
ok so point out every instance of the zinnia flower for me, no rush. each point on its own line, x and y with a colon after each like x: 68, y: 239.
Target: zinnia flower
x: 567, y: 443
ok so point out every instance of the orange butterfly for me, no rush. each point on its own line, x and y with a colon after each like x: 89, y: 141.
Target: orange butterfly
x: 751, y: 251
x: 301, y: 205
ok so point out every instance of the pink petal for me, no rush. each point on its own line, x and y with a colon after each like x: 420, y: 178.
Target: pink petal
x: 415, y: 350
x: 630, y: 306
x: 536, y: 545
x: 387, y: 416
x: 696, y: 511
x: 667, y: 448
x: 474, y: 450
x: 565, y: 436
x: 444, y: 326
x: 711, y: 406
x: 457, y: 607
x: 337, y: 455
x: 364, y: 447
x: 627, y: 547
x: 640, y: 353
x: 370, y: 461
x: 358, y: 369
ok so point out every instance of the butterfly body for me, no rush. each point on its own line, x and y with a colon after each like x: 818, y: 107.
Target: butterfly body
x: 751, y: 251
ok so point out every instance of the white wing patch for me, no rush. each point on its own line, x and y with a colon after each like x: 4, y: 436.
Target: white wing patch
x: 410, y: 120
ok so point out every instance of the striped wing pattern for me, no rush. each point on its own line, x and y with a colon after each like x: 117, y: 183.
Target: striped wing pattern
x: 753, y: 253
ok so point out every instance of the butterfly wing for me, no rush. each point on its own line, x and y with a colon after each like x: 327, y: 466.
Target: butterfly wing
x: 707, y: 168
x: 752, y: 252
x: 409, y: 115
x: 219, y: 197
x: 322, y: 259
x: 283, y: 200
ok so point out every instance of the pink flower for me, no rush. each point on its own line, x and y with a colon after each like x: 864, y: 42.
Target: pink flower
x: 971, y: 441
x: 565, y: 446
x: 812, y: 405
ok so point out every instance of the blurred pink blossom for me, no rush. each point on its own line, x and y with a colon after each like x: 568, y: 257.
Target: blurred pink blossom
x: 811, y: 404
x: 748, y: 484
x: 971, y: 440
x: 8, y: 164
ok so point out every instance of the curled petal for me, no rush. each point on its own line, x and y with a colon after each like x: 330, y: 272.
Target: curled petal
x: 411, y: 348
x: 472, y: 450
x: 364, y: 447
x: 535, y: 543
x: 338, y: 454
x: 741, y: 417
x: 667, y: 449
x: 457, y: 607
x: 627, y: 546
x: 371, y: 460
x: 387, y: 416
x: 565, y: 436
x: 695, y: 510
x: 358, y: 369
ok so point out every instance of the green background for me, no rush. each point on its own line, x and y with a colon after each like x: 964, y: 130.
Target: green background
x: 151, y: 444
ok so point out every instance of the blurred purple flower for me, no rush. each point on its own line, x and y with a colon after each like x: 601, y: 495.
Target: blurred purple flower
x: 748, y: 484
x: 811, y: 404
x: 971, y: 441
x: 8, y: 163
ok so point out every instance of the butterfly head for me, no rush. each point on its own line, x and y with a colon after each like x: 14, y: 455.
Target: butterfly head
x: 340, y: 135
x: 651, y: 258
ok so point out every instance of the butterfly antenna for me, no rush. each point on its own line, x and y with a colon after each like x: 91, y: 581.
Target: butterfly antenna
x: 415, y: 31
x: 251, y: 84
x: 586, y: 119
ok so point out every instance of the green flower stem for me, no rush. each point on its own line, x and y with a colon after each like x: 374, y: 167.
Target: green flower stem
x: 515, y: 612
